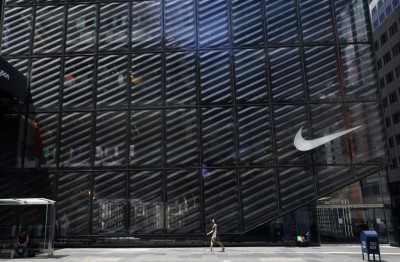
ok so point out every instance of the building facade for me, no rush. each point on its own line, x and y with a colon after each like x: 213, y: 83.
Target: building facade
x: 146, y: 119
x: 387, y: 48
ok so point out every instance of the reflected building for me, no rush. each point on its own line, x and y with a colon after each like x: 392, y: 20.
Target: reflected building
x: 145, y: 119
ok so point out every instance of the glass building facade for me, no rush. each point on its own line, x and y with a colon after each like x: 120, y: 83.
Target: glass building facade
x: 145, y: 119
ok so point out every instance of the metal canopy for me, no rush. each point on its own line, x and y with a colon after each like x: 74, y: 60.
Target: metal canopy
x: 26, y: 201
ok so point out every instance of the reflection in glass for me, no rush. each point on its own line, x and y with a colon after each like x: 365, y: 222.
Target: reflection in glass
x: 110, y: 140
x: 145, y: 202
x: 218, y: 136
x: 112, y: 81
x: 17, y: 30
x: 73, y: 202
x: 113, y: 33
x: 179, y: 24
x: 109, y: 202
x: 215, y: 77
x: 45, y: 83
x: 146, y: 20
x: 182, y: 137
x: 81, y: 30
x: 78, y: 82
x: 76, y: 140
x: 181, y: 85
x: 49, y: 27
x: 316, y: 21
x: 282, y: 24
x: 146, y: 78
x: 145, y: 138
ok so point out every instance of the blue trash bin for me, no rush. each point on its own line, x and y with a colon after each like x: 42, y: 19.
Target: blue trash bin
x: 370, y: 244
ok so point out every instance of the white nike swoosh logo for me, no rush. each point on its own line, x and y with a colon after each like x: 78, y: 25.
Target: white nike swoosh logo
x: 305, y: 145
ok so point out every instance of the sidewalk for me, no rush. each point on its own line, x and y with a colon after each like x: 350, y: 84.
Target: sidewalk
x: 325, y: 253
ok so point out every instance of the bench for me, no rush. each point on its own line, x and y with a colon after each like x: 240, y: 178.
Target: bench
x: 7, y: 248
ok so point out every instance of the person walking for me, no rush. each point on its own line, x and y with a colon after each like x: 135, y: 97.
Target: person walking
x: 215, y: 236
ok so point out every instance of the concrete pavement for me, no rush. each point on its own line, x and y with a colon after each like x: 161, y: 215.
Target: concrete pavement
x: 326, y: 253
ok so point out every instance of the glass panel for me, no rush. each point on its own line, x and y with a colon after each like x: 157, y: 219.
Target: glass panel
x: 45, y: 83
x: 146, y: 202
x: 221, y: 200
x: 182, y: 137
x: 17, y: 31
x: 41, y: 141
x: 49, y: 28
x: 247, y: 24
x: 20, y: 64
x: 213, y: 23
x: 111, y: 138
x: 255, y: 139
x: 330, y: 178
x: 368, y: 144
x: 282, y: 24
x: 16, y: 2
x: 35, y: 184
x: 296, y: 187
x: 322, y: 73
x: 109, y: 205
x: 215, y: 77
x: 146, y: 25
x: 146, y: 138
x: 352, y: 20
x: 112, y: 81
x: 11, y: 140
x: 76, y: 140
x: 316, y: 21
x: 286, y: 74
x: 329, y: 119
x: 183, y: 206
x: 288, y: 121
x: 180, y: 72
x: 218, y: 136
x: 78, y: 82
x: 251, y: 79
x: 73, y: 204
x: 146, y: 79
x: 258, y: 193
x: 81, y: 30
x: 113, y: 33
x: 360, y: 79
x: 180, y: 30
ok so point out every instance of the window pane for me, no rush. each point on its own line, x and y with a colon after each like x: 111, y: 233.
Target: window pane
x: 322, y: 73
x: 221, y: 199
x: 146, y: 202
x: 49, y: 28
x: 78, y: 82
x: 255, y: 140
x: 112, y: 81
x: 109, y: 205
x: 76, y: 140
x: 215, y: 77
x: 286, y: 74
x: 247, y: 23
x: 251, y: 79
x: 81, y: 30
x: 73, y: 203
x: 113, y: 27
x: 146, y: 25
x: 17, y: 31
x: 146, y: 136
x: 331, y: 177
x: 182, y: 137
x: 316, y: 21
x: 181, y: 79
x: 110, y: 138
x: 218, y: 136
x: 213, y: 23
x: 180, y: 27
x: 282, y: 24
x: 183, y: 205
x: 146, y: 79
x: 45, y: 83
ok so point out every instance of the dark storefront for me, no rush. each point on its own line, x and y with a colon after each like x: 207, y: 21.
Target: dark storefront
x: 145, y: 119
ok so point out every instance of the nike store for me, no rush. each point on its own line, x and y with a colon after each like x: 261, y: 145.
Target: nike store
x: 148, y: 118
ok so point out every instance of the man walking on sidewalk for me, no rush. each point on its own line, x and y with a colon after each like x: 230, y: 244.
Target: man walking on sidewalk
x: 215, y: 235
